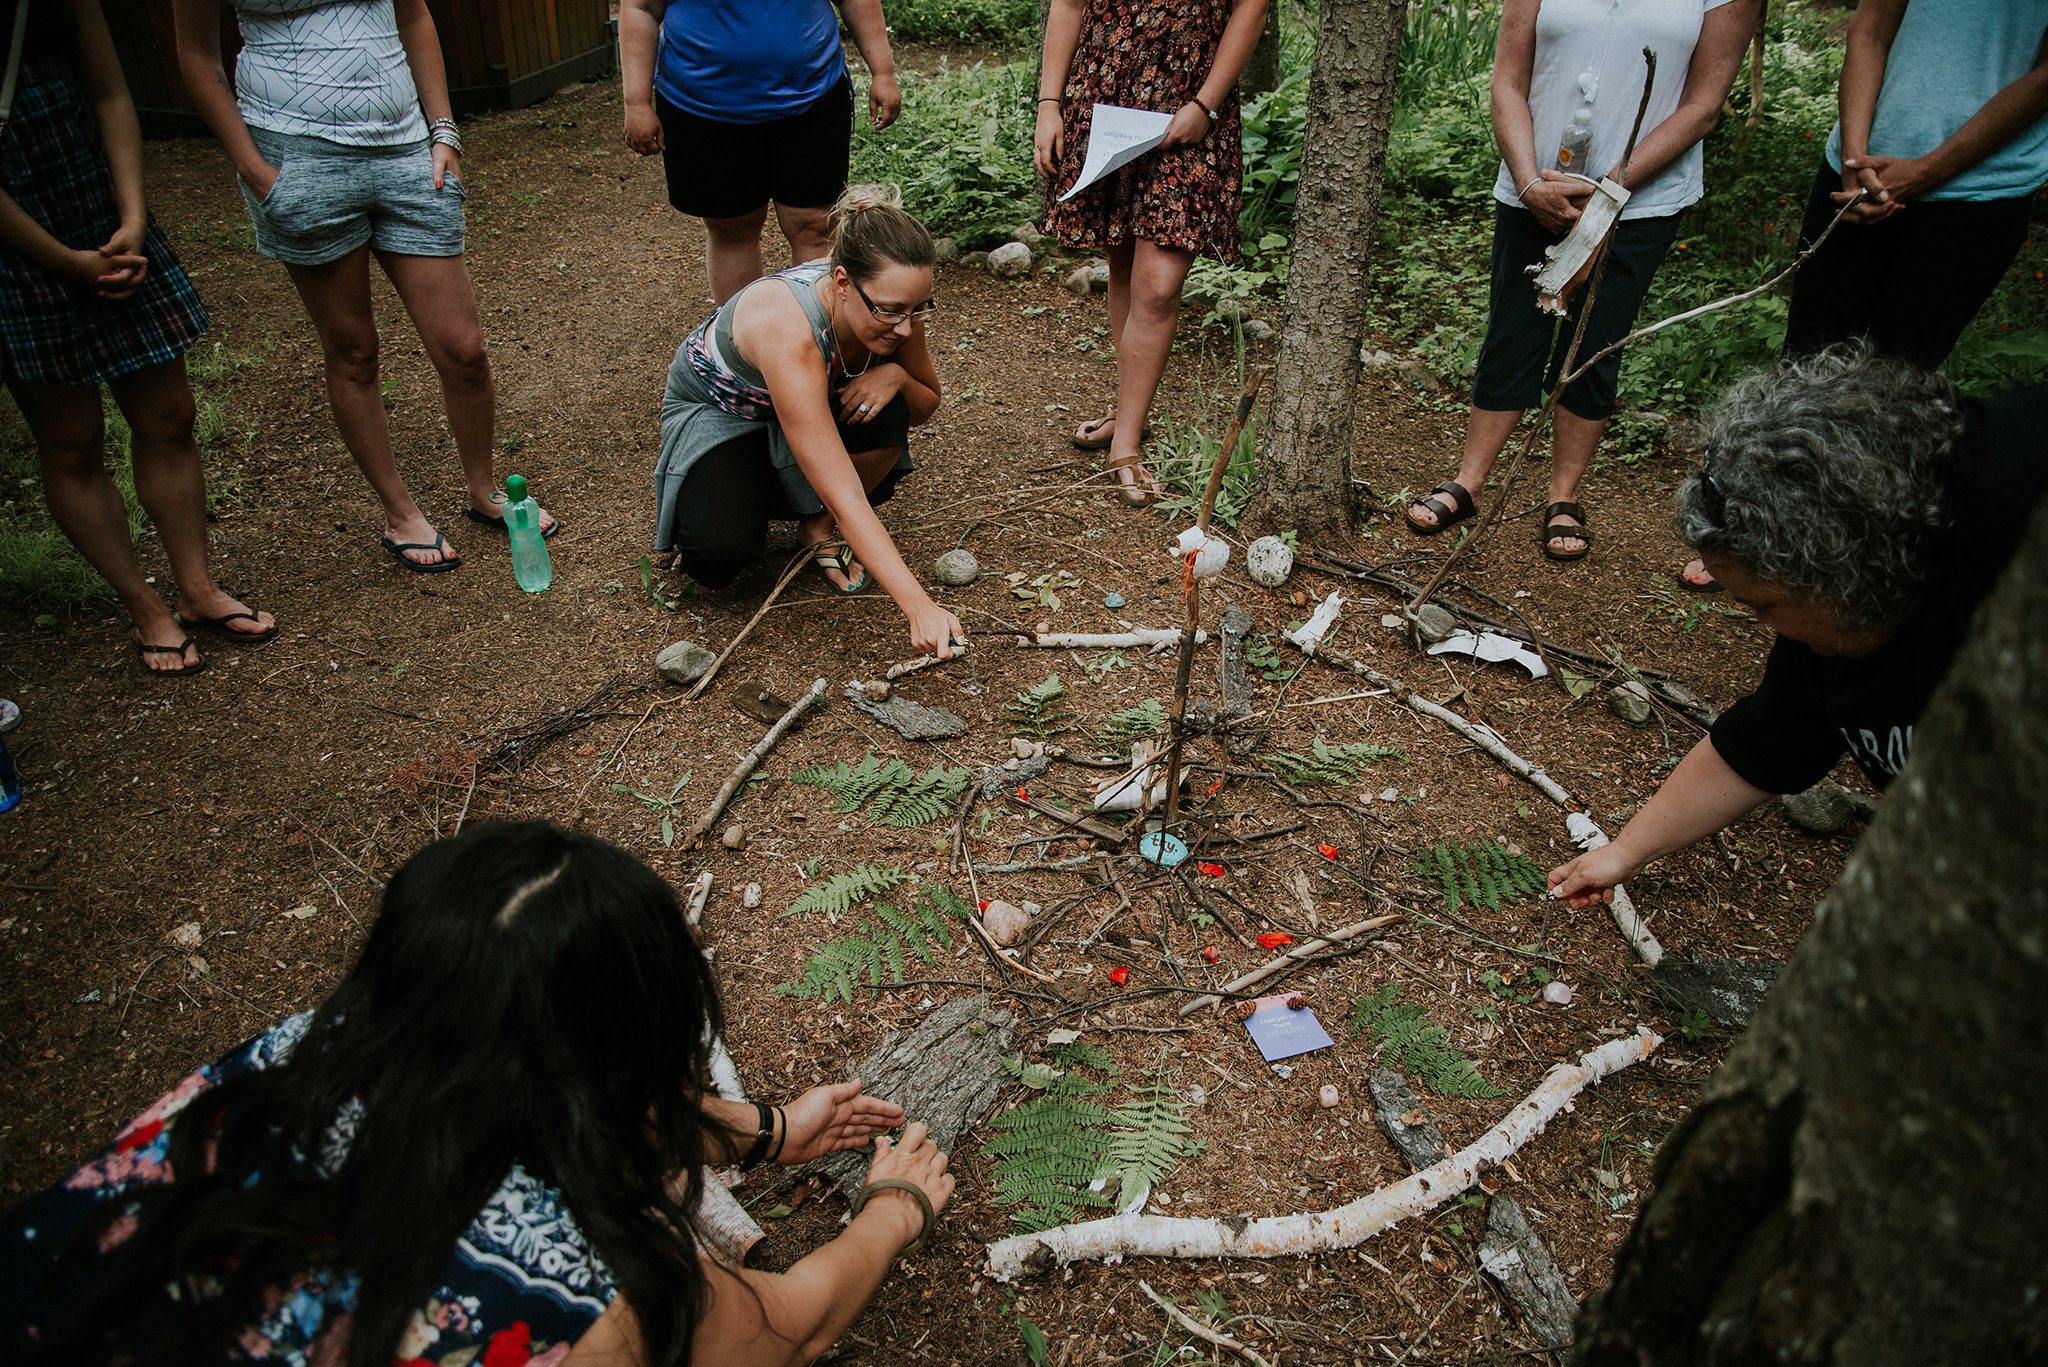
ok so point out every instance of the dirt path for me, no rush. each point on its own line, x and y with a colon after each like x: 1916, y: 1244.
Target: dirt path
x: 264, y: 800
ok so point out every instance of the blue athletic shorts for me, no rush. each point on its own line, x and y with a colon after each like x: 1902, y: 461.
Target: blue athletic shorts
x: 330, y: 198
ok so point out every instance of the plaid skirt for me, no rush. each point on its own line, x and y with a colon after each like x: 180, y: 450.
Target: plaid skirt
x: 53, y: 331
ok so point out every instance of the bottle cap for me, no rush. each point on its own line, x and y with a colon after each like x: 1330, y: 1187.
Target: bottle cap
x: 515, y: 488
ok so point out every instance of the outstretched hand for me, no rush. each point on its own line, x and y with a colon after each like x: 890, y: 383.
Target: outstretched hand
x: 1590, y: 880
x: 828, y: 1119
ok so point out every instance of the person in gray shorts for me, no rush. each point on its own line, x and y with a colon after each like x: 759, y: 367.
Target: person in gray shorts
x: 338, y: 124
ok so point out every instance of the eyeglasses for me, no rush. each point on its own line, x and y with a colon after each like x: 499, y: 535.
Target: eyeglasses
x: 892, y: 317
x: 1713, y: 498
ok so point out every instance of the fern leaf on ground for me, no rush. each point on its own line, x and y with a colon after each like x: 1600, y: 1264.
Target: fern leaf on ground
x: 1147, y: 719
x: 878, y: 950
x: 1041, y: 710
x: 1407, y: 1041
x: 1325, y: 763
x: 842, y: 892
x: 1484, y: 874
x: 1052, y: 1147
x: 898, y: 794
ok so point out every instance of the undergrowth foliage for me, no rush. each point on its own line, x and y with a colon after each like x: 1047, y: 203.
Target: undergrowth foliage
x: 1148, y: 718
x: 1484, y: 874
x: 881, y: 947
x: 1326, y: 763
x: 893, y: 792
x: 1053, y: 1148
x: 1408, y: 1042
x: 1041, y: 710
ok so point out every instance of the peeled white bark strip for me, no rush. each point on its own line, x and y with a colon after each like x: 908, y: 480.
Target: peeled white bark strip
x: 1587, y: 835
x: 1309, y: 634
x: 1155, y: 638
x: 1278, y: 1236
x: 724, y: 1223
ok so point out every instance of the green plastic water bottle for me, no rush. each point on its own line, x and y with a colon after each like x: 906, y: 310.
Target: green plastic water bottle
x: 529, y: 548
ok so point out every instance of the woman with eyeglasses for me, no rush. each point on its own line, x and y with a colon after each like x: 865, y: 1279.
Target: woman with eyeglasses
x: 1862, y: 511
x: 794, y: 402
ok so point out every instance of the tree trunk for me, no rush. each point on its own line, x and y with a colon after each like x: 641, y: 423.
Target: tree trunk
x: 1262, y: 71
x: 1865, y: 1181
x: 1305, y: 470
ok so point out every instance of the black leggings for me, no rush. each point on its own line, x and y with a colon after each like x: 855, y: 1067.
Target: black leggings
x: 732, y: 493
x: 1911, y: 283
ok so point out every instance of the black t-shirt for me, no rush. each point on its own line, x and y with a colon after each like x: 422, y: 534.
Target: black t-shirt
x: 1785, y: 737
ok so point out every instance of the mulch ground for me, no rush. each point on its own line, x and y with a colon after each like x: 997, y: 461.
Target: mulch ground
x: 264, y: 800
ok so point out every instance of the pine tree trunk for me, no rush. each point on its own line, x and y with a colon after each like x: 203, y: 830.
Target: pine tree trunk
x: 1865, y: 1181
x: 1305, y: 469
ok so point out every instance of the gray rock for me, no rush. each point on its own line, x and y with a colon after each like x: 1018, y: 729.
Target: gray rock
x: 684, y: 662
x: 1260, y: 331
x: 1825, y: 807
x: 910, y: 720
x: 957, y: 568
x: 1419, y: 376
x: 1434, y: 623
x: 1632, y: 703
x: 1728, y: 991
x: 1112, y: 600
x: 1269, y: 561
x: 1232, y: 310
x: 1028, y: 234
x: 1006, y: 924
x: 1375, y: 360
x: 733, y: 837
x: 974, y: 261
x: 945, y: 249
x: 1010, y: 260
x: 1079, y: 281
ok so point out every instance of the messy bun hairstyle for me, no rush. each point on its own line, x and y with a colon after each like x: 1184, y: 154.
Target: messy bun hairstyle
x: 871, y: 232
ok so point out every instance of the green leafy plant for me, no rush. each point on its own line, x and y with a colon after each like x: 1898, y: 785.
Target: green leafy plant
x: 1041, y: 710
x: 658, y: 590
x: 1682, y: 609
x: 1182, y: 453
x: 664, y: 807
x: 842, y: 892
x: 1148, y: 718
x: 894, y: 793
x: 1034, y: 1341
x: 880, y: 948
x: 1261, y: 654
x: 1484, y: 874
x: 1407, y: 1041
x: 1326, y: 763
x: 1041, y: 591
x: 1105, y: 664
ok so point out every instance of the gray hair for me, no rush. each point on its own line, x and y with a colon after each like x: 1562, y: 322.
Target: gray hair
x: 1830, y: 475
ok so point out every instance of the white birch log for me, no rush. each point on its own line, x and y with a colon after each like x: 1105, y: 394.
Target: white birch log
x: 1577, y: 823
x: 724, y: 1223
x: 1292, y: 958
x: 1152, y: 638
x: 1277, y: 1236
x: 752, y: 760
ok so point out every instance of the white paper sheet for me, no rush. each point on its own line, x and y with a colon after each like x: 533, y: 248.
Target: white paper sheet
x: 1117, y: 137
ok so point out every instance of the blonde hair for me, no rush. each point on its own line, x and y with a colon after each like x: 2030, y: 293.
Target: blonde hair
x: 871, y: 231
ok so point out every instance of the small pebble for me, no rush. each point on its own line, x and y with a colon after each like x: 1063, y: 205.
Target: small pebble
x: 876, y: 690
x: 1269, y: 561
x: 1022, y: 748
x: 1328, y: 1096
x: 1557, y: 994
x: 1005, y: 924
x: 956, y: 568
x: 1112, y: 601
x: 751, y: 898
x: 734, y: 837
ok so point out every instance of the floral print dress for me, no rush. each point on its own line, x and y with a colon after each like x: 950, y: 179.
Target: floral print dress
x: 1149, y: 54
x: 520, y: 1287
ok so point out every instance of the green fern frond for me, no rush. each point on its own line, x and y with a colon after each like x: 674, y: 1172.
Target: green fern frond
x: 1484, y: 874
x: 842, y: 892
x: 1041, y: 710
x: 1325, y: 763
x: 899, y: 795
x: 1052, y: 1147
x: 1084, y: 1055
x: 1407, y: 1041
x: 1147, y: 719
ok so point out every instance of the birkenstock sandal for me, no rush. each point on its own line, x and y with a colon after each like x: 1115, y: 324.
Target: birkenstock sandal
x: 398, y: 551
x: 1448, y: 515
x: 1555, y: 527
x: 218, y: 626
x: 145, y: 650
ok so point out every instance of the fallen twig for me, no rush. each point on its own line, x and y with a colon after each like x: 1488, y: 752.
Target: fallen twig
x: 1152, y: 638
x: 752, y: 759
x: 1347, y: 1226
x: 1288, y: 962
x: 1200, y: 1330
x: 700, y: 893
x: 796, y: 564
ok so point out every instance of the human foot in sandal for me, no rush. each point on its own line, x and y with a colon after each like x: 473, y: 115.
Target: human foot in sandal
x: 1096, y: 434
x: 1565, y: 535
x: 1135, y: 484
x: 1442, y: 507
x: 1694, y: 578
x: 225, y: 617
x: 165, y: 648
x: 414, y: 543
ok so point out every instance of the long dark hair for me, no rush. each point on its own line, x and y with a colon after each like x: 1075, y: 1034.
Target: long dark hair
x: 528, y: 994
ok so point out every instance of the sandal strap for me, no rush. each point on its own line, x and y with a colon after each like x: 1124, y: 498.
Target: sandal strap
x: 924, y: 1206
x: 829, y: 560
x: 1556, y: 528
x: 178, y: 649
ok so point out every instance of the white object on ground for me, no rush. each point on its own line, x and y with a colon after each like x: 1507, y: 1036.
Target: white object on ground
x: 1269, y: 561
x: 1152, y: 638
x: 1125, y: 792
x: 1587, y: 835
x: 1310, y: 634
x: 1347, y: 1226
x: 1117, y: 137
x: 1493, y: 648
x: 1211, y: 553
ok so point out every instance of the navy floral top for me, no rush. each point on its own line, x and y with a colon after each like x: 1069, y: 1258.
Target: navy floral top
x: 521, y: 1287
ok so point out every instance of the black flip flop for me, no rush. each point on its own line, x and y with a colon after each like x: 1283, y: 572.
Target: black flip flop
x: 497, y: 524
x: 218, y: 626
x: 398, y: 551
x: 1555, y: 526
x: 1448, y: 515
x: 145, y: 650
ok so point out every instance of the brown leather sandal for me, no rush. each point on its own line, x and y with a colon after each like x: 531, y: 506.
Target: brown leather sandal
x: 1556, y: 528
x: 1448, y: 515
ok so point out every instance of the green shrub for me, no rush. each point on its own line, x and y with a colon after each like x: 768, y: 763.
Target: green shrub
x: 1013, y: 22
x: 962, y: 150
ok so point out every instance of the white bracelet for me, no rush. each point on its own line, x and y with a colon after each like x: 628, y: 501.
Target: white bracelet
x: 1526, y: 188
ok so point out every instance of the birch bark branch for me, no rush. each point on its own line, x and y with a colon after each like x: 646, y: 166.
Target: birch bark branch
x: 1292, y: 959
x: 1156, y: 1236
x: 752, y: 759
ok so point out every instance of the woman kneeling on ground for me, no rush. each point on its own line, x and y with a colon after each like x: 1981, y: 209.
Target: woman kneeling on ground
x: 500, y: 1163
x: 794, y: 402
x: 1862, y: 511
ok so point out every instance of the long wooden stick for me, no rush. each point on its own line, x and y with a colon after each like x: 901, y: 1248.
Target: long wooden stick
x: 1291, y: 960
x: 752, y: 759
x: 1278, y: 1236
x: 1200, y: 1330
x: 1192, y: 617
x: 802, y: 558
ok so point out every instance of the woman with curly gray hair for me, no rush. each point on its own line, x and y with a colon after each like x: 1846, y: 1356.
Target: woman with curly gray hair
x: 1861, y: 510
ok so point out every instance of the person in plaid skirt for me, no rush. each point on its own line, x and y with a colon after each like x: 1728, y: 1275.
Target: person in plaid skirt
x: 91, y: 295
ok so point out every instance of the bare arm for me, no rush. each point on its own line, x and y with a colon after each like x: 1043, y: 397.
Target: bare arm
x: 1702, y: 796
x: 1553, y: 198
x: 1062, y: 35
x: 1724, y: 37
x: 871, y: 38
x: 1191, y: 122
x: 422, y: 42
x: 639, y: 36
x: 197, y: 24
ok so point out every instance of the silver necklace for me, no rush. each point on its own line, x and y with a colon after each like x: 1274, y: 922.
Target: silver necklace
x: 839, y: 351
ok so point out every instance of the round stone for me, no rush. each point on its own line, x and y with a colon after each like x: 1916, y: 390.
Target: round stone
x: 1269, y: 561
x: 957, y: 568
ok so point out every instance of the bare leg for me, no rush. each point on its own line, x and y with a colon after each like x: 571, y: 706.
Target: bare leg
x: 1157, y: 274
x: 1119, y: 258
x: 70, y: 436
x: 1486, y: 432
x: 732, y: 252
x: 157, y: 403
x: 809, y: 232
x: 1573, y: 440
x: 337, y: 299
x: 820, y: 529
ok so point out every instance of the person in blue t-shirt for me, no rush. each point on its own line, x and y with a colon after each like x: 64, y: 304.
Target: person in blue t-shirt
x: 750, y: 104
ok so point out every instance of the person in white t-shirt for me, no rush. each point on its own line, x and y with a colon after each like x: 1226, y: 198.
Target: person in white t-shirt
x: 1567, y: 78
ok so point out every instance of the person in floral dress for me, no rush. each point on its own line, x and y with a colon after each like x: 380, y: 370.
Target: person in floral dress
x: 1153, y: 217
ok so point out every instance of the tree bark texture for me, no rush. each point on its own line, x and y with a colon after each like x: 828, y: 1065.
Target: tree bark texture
x: 1305, y: 470
x: 1865, y: 1181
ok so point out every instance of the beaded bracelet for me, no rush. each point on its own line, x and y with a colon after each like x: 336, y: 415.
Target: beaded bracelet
x: 1196, y: 101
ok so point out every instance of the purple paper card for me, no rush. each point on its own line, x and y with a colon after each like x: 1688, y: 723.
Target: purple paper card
x: 1281, y: 1033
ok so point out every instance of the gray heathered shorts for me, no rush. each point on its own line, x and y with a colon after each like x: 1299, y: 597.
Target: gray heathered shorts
x: 330, y: 198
